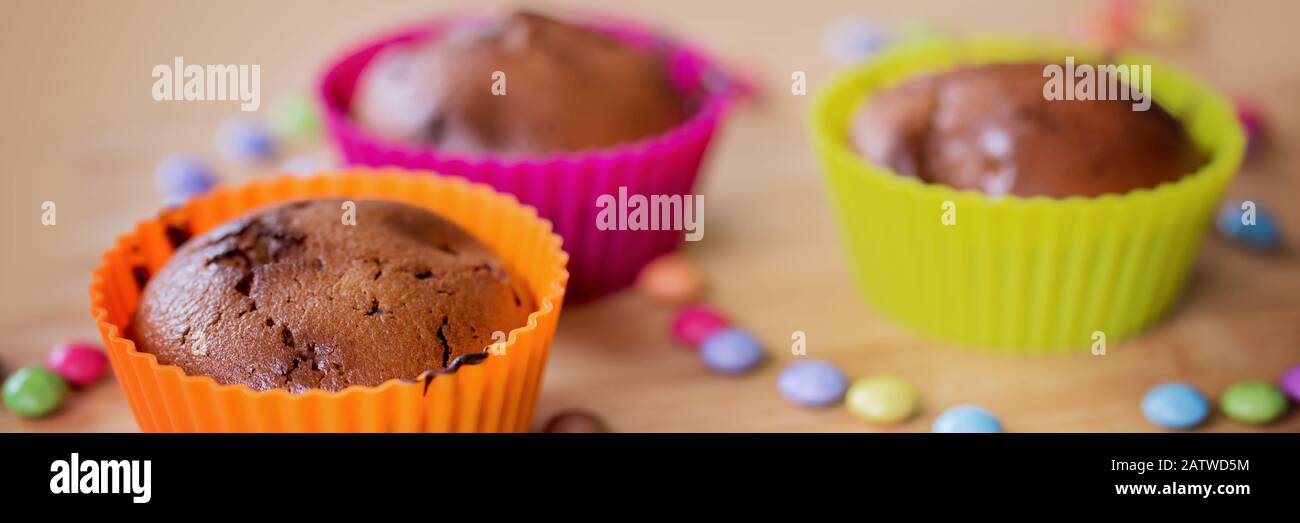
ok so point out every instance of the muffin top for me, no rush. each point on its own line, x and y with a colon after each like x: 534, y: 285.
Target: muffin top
x: 989, y: 128
x: 291, y: 297
x: 561, y: 87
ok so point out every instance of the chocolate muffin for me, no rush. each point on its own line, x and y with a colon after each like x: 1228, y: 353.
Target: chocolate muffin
x: 566, y: 88
x: 291, y: 297
x: 989, y: 128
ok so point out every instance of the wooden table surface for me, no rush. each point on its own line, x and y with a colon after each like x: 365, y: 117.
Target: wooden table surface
x: 79, y: 128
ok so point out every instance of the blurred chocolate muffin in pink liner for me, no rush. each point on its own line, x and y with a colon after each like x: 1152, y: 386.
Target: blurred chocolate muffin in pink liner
x: 561, y: 112
x: 519, y: 84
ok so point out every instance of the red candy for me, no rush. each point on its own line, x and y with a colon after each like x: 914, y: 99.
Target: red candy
x: 695, y: 324
x: 78, y: 363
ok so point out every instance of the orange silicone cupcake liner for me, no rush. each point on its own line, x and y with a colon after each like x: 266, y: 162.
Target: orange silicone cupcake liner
x: 492, y: 393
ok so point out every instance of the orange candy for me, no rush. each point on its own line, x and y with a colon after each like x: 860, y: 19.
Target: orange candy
x: 671, y: 279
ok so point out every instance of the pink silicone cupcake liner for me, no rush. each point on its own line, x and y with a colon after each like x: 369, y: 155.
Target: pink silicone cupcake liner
x: 564, y: 187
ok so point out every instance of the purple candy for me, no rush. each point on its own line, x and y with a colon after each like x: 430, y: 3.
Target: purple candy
x: 1290, y: 383
x: 813, y: 383
x: 853, y: 40
x: 245, y: 141
x: 731, y: 351
x: 181, y: 176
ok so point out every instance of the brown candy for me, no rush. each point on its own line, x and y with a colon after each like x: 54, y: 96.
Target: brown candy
x: 575, y: 421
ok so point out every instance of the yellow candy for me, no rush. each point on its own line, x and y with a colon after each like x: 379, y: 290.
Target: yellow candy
x: 883, y: 399
x: 1163, y: 22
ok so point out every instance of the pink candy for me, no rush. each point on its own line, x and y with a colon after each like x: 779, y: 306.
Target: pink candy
x: 1113, y: 24
x: 79, y: 363
x: 1251, y: 121
x: 695, y: 324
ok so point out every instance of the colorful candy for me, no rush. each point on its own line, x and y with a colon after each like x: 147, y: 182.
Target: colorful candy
x: 1163, y: 22
x: 294, y: 118
x: 78, y: 363
x: 1175, y: 405
x: 695, y: 324
x: 1252, y: 121
x: 575, y: 421
x: 853, y: 40
x: 966, y: 418
x: 883, y: 399
x: 245, y: 141
x: 1260, y: 233
x: 731, y: 351
x: 305, y: 165
x: 914, y: 30
x: 33, y: 392
x: 671, y: 279
x: 181, y: 176
x: 1253, y: 402
x: 1114, y: 24
x: 813, y: 383
x: 1290, y: 383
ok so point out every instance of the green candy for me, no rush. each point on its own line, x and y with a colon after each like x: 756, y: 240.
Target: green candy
x: 294, y: 117
x: 33, y: 392
x: 1254, y: 402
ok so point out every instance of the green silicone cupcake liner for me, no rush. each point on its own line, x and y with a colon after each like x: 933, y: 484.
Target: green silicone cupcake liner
x: 1020, y: 275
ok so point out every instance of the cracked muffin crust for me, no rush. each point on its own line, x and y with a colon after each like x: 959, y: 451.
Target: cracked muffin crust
x: 989, y: 128
x: 290, y: 297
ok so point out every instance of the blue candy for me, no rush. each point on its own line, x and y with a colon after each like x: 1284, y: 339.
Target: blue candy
x: 852, y: 40
x: 813, y: 383
x: 731, y: 351
x: 1262, y: 234
x: 305, y: 165
x: 966, y: 418
x: 245, y: 141
x: 1175, y: 405
x: 181, y: 176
